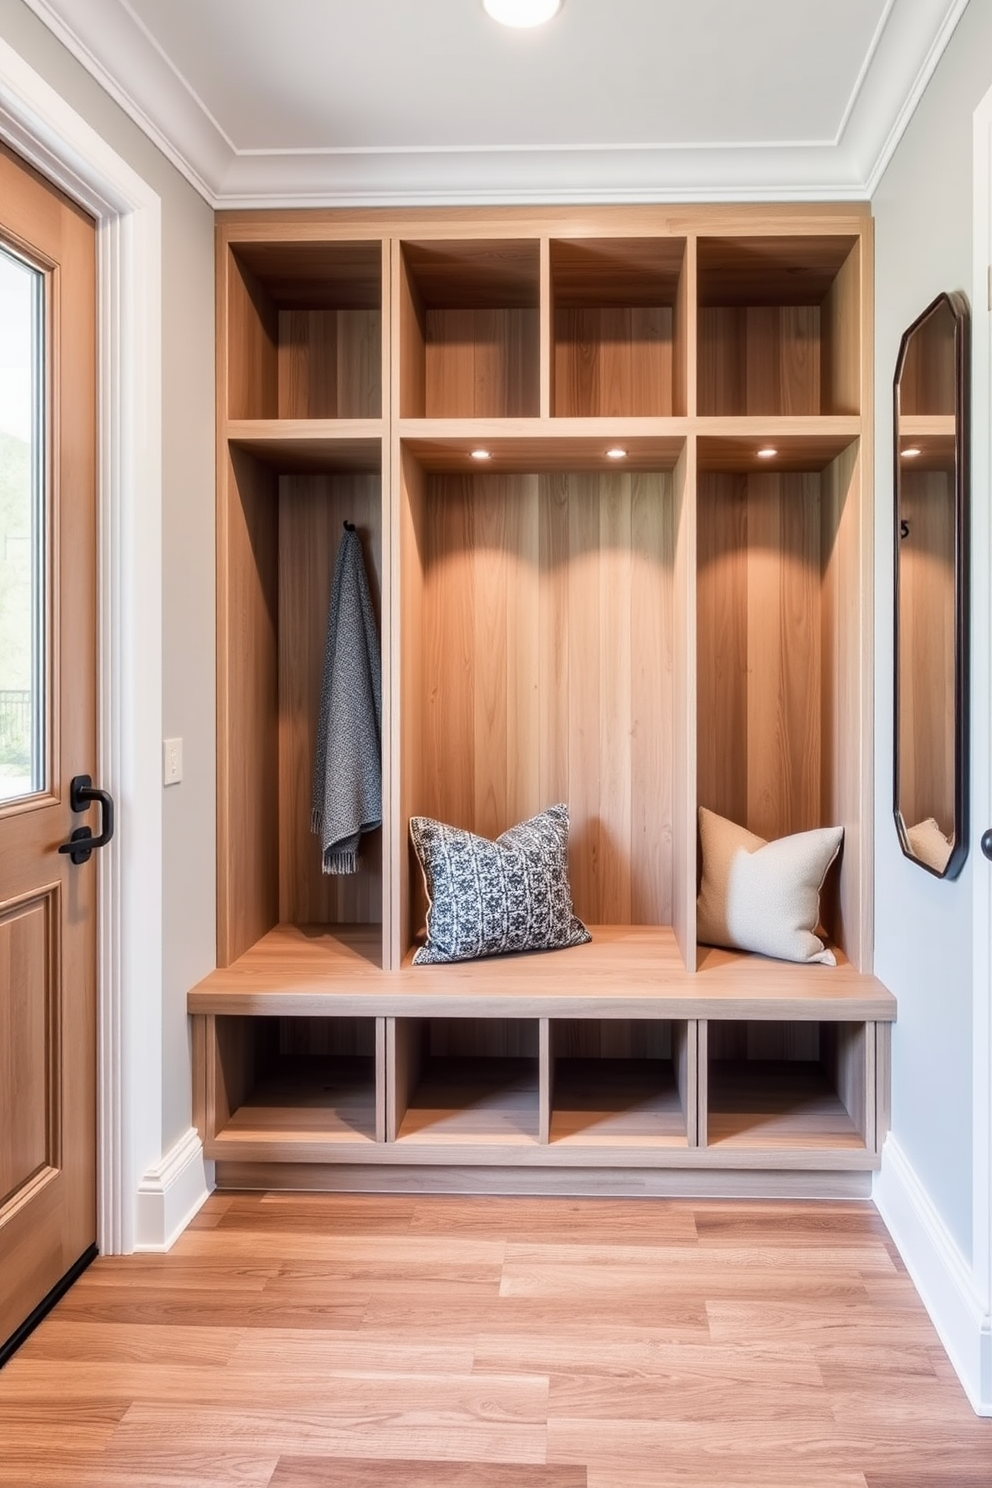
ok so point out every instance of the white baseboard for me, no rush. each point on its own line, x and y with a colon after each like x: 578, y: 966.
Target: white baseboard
x: 170, y: 1194
x: 940, y: 1273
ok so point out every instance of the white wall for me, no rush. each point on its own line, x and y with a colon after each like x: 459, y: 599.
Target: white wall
x: 187, y: 544
x: 923, y: 208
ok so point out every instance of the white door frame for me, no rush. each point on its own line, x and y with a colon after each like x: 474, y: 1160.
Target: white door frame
x: 37, y: 123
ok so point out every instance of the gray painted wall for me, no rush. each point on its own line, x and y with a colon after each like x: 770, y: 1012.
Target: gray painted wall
x: 187, y: 542
x: 923, y: 934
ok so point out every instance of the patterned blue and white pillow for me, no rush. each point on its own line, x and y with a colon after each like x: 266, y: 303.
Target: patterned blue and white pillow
x: 486, y: 898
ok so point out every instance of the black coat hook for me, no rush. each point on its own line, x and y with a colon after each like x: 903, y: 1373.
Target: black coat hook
x: 349, y: 526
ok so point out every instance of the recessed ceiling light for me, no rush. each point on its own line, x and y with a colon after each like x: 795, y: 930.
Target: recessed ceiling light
x: 521, y: 12
x: 616, y: 454
x: 481, y: 454
x: 911, y: 453
x: 768, y: 453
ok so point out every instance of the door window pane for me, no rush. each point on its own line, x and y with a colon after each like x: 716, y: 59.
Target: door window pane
x: 22, y: 529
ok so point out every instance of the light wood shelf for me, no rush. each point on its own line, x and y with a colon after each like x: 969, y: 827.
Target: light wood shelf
x: 686, y: 625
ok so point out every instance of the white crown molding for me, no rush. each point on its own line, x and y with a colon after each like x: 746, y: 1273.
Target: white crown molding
x: 105, y: 37
x: 111, y: 47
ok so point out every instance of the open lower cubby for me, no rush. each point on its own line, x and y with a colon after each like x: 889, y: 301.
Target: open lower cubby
x: 539, y: 658
x: 307, y: 1081
x: 621, y: 1083
x: 463, y: 1081
x: 305, y: 330
x: 470, y: 329
x: 787, y: 1085
x: 619, y: 327
x: 779, y: 655
x: 282, y: 525
x: 774, y: 322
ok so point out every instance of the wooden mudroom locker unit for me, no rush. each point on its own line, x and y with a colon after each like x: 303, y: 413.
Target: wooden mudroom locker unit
x: 687, y: 625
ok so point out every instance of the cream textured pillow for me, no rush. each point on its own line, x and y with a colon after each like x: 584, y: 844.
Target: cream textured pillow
x: 764, y: 896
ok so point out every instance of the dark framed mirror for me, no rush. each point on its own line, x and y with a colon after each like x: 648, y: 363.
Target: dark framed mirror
x: 931, y: 587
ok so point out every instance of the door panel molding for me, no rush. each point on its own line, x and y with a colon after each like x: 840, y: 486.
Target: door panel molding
x: 40, y: 126
x: 31, y: 1037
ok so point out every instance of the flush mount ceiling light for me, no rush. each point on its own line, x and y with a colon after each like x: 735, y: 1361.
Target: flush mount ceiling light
x: 767, y: 453
x: 911, y: 454
x: 616, y: 454
x: 481, y: 454
x: 521, y: 13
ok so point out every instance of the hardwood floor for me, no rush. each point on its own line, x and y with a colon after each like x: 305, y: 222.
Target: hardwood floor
x: 325, y: 1341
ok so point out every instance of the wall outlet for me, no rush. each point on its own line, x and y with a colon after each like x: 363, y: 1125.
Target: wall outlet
x: 172, y: 761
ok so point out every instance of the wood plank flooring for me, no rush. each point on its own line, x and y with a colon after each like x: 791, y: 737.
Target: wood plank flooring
x: 328, y: 1341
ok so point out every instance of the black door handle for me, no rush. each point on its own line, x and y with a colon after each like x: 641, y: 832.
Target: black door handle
x: 987, y: 842
x: 82, y: 842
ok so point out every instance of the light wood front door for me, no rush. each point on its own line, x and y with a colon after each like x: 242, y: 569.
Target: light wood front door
x: 47, y: 737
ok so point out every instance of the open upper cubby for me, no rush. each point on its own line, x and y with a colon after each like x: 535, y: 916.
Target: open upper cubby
x: 538, y: 659
x: 469, y: 329
x: 282, y: 522
x: 786, y: 1086
x: 779, y: 655
x: 619, y: 327
x: 778, y: 323
x: 620, y: 1082
x: 304, y: 330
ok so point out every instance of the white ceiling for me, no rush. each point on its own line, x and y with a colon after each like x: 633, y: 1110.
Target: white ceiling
x: 304, y: 102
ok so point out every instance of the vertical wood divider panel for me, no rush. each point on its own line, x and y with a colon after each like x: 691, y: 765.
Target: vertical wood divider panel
x: 702, y: 1083
x: 404, y: 1060
x: 547, y: 319
x: 410, y: 330
x: 883, y: 1082
x: 381, y: 1080
x: 685, y: 336
x: 409, y: 688
x: 685, y: 1058
x: 251, y: 334
x: 863, y: 741
x: 684, y: 706
x: 847, y: 1053
x: 545, y: 1080
x: 844, y: 704
x: 841, y: 335
x: 247, y: 686
x: 200, y: 1055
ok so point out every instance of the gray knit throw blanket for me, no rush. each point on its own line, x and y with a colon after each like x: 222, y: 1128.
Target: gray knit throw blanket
x: 347, y: 767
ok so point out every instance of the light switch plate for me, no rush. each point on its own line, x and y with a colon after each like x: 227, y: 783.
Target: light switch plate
x: 172, y: 761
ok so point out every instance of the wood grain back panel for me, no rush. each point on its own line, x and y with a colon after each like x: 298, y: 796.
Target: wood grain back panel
x: 482, y: 363
x: 759, y: 360
x: 547, y: 671
x: 614, y: 362
x: 329, y: 364
x: 759, y: 650
x: 312, y: 509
